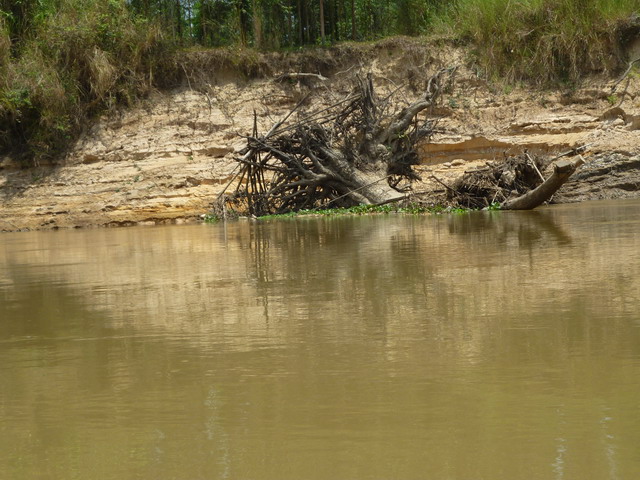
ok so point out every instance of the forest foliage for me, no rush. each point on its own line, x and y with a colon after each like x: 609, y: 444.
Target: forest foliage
x: 63, y: 61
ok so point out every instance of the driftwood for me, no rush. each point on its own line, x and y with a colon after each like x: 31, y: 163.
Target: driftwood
x: 562, y: 170
x: 496, y: 182
x: 516, y: 183
x: 359, y: 150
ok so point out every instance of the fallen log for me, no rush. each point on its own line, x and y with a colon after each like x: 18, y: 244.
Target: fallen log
x: 562, y: 170
x: 362, y: 148
x: 496, y: 182
x: 515, y: 183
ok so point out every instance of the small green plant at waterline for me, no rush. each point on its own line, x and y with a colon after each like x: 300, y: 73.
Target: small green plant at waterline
x: 339, y: 211
x: 411, y: 209
x: 210, y: 218
x: 458, y: 210
x: 358, y: 210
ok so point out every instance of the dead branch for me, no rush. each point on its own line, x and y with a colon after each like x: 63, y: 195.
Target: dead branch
x: 407, y: 115
x: 362, y: 150
x: 624, y: 75
x: 481, y: 187
x: 296, y: 76
x: 562, y: 170
x: 535, y: 167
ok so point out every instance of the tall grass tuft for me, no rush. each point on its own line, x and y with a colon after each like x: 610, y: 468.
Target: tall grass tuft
x: 542, y: 40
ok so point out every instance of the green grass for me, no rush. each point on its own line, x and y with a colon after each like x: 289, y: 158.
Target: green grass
x: 75, y: 61
x: 542, y: 40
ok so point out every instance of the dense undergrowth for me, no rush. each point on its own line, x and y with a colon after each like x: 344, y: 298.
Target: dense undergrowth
x: 69, y: 64
x: 64, y: 61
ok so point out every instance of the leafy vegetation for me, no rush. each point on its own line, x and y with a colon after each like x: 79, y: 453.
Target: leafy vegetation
x: 63, y: 61
x: 410, y: 209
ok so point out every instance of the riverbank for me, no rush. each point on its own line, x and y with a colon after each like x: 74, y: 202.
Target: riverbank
x: 167, y: 159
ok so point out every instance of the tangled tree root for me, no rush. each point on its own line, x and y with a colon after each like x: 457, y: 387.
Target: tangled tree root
x: 359, y: 150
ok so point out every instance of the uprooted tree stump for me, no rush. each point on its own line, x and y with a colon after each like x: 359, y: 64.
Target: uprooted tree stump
x: 360, y: 150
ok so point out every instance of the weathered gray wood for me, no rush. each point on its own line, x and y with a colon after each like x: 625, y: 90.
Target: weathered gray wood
x: 562, y: 170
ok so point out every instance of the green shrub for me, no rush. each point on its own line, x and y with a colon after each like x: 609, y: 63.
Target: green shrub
x: 35, y: 111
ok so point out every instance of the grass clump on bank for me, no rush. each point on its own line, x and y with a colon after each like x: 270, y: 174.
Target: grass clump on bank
x: 67, y: 64
x: 545, y: 40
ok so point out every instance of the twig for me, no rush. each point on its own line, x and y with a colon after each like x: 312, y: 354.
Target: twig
x: 572, y: 152
x: 535, y: 167
x: 443, y: 184
x: 315, y: 114
x: 234, y: 176
x: 278, y: 124
x: 186, y: 75
x: 347, y: 70
x: 300, y: 75
x: 615, y: 85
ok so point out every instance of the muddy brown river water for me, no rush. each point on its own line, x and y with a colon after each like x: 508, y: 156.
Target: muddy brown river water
x: 490, y: 345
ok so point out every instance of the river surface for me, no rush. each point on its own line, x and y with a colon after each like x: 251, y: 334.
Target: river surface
x: 490, y: 345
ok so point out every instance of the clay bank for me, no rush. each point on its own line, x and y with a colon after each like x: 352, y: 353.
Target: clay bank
x: 169, y: 158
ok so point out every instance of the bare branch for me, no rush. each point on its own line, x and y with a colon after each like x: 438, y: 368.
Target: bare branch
x: 284, y: 76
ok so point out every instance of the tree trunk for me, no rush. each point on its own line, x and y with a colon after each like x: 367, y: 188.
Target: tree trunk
x: 256, y: 14
x: 322, y: 21
x: 363, y: 186
x: 300, y: 28
x: 562, y: 170
x: 242, y: 20
x: 353, y: 19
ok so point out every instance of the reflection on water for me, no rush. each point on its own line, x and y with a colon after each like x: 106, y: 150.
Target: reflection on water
x: 495, y: 345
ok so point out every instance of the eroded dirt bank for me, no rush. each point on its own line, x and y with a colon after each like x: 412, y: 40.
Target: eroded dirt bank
x: 167, y: 160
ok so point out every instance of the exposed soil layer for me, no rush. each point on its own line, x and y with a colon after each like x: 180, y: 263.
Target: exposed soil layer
x: 168, y: 159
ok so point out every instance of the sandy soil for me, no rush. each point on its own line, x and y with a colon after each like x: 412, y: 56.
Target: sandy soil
x: 168, y: 159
